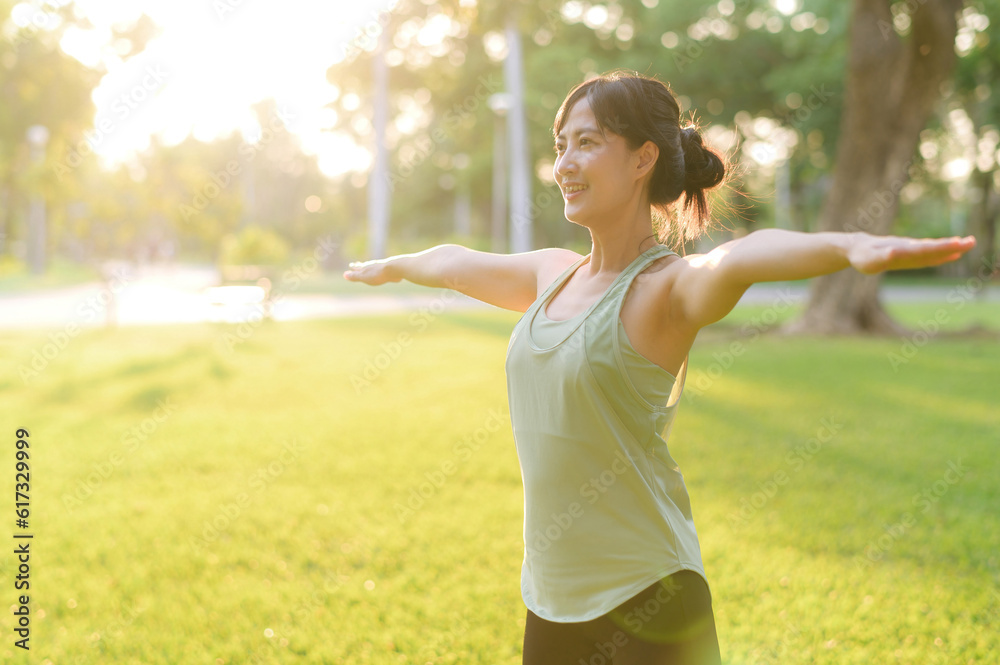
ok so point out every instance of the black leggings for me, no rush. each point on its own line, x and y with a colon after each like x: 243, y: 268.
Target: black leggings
x: 668, y: 623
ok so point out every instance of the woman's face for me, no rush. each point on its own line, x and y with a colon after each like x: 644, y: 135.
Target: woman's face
x: 600, y: 164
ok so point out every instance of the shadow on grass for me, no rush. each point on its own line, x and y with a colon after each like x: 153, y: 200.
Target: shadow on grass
x: 146, y: 397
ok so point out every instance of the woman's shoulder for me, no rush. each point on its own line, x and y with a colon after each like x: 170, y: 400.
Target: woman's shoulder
x: 557, y: 260
x: 660, y: 268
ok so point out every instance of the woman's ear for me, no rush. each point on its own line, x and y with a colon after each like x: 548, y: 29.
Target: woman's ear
x: 648, y: 154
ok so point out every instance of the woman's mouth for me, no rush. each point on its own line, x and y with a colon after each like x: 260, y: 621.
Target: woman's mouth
x: 573, y: 191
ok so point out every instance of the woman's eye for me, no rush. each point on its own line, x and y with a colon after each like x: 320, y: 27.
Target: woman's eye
x: 582, y: 141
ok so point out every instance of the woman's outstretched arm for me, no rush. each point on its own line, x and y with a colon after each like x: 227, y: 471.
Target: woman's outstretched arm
x: 708, y: 286
x: 425, y: 268
x: 508, y: 281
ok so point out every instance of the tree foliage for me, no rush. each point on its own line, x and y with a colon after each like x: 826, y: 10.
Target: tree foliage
x: 765, y: 81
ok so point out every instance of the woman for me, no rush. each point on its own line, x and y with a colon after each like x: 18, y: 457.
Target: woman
x: 612, y: 571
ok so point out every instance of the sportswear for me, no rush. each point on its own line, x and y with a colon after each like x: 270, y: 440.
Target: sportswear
x: 606, y: 511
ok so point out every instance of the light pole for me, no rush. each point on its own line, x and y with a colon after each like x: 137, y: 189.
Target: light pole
x: 378, y: 181
x: 463, y: 201
x: 499, y: 103
x: 38, y: 137
x: 520, y: 159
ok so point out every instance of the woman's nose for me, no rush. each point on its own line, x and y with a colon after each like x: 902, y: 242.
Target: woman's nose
x: 564, y: 165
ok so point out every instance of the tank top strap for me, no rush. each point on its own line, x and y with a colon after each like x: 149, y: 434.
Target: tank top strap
x: 558, y: 281
x: 614, y: 293
x: 625, y: 279
x: 608, y: 316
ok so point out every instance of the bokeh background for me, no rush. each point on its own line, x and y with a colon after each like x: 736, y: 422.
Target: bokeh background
x: 237, y: 456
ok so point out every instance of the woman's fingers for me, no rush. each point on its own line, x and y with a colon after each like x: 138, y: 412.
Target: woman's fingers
x: 354, y: 271
x: 955, y: 247
x: 371, y: 272
x: 931, y: 254
x: 900, y: 253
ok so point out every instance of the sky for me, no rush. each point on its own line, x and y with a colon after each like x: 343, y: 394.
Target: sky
x: 215, y: 58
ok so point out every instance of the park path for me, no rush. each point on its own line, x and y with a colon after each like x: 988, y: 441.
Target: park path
x: 179, y: 294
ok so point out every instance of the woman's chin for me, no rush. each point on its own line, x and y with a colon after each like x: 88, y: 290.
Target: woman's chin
x: 575, y: 214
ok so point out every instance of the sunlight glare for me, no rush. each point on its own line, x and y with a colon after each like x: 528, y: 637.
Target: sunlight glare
x: 786, y: 7
x: 213, y: 60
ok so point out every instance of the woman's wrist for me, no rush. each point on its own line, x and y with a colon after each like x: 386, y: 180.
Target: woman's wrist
x: 850, y: 242
x: 395, y: 267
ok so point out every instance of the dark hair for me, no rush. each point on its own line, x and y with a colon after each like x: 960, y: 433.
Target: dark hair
x: 641, y: 108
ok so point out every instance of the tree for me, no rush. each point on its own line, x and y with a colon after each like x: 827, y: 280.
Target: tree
x: 892, y: 87
x: 39, y: 85
x: 975, y: 76
x: 772, y: 74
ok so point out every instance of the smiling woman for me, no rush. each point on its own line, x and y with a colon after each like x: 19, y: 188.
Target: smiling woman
x: 612, y: 569
x: 644, y: 114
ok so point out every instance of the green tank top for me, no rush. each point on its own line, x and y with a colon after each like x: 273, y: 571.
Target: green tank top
x: 606, y: 511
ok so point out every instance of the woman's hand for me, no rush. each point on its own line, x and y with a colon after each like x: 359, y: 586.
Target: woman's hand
x: 373, y: 272
x: 707, y: 286
x: 870, y: 254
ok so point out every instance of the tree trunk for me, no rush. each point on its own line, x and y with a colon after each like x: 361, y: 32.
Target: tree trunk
x: 890, y: 91
x: 983, y: 223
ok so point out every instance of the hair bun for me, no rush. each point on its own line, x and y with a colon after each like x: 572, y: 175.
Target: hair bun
x: 703, y: 168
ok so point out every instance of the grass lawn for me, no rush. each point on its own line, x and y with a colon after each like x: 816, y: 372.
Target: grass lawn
x: 347, y: 491
x: 15, y: 278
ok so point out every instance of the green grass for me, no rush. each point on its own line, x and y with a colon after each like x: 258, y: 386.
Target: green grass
x: 16, y: 279
x: 955, y: 318
x: 308, y: 560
